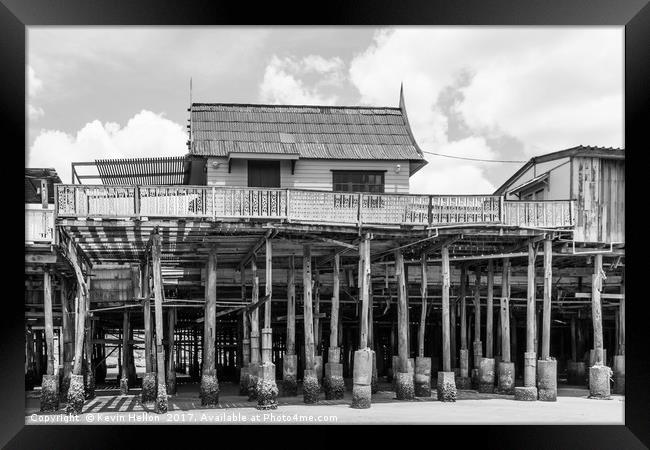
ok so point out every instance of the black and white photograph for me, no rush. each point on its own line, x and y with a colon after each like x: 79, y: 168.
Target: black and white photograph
x: 324, y: 225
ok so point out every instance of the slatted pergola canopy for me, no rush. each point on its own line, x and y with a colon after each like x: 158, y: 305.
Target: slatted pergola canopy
x: 167, y: 170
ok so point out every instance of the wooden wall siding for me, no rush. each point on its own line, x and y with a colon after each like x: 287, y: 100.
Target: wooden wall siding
x: 599, y: 188
x: 111, y: 285
x: 311, y: 173
x: 39, y: 223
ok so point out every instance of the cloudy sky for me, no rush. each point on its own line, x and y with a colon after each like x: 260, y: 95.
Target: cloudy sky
x: 506, y: 93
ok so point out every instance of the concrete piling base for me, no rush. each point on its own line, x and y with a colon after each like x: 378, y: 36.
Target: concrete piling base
x: 422, y: 377
x: 547, y: 380
x: 506, y: 378
x: 599, y: 376
x: 50, y: 393
x: 310, y: 387
x: 373, y: 379
x: 90, y: 384
x: 149, y: 385
x: 619, y: 374
x: 404, y: 388
x: 318, y: 367
x: 530, y: 368
x: 161, y: 398
x: 252, y: 381
x: 592, y: 362
x: 243, y: 380
x: 64, y: 381
x: 464, y: 363
x: 362, y: 378
x: 267, y: 390
x: 209, y: 390
x: 333, y: 382
x: 526, y: 393
x: 76, y: 396
x: 486, y: 375
x: 124, y: 386
x: 446, y: 387
x: 289, y: 375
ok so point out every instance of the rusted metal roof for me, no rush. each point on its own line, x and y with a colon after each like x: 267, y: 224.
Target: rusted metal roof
x: 143, y: 171
x: 323, y: 132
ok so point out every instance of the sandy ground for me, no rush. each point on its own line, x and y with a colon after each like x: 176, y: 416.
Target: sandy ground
x: 572, y: 407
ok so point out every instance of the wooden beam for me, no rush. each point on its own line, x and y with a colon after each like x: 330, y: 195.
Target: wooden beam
x: 158, y: 299
x: 49, y: 326
x: 331, y: 241
x: 505, y: 311
x: 423, y: 311
x: 546, y: 315
x: 291, y: 307
x: 489, y: 313
x: 596, y: 309
x: 446, y: 351
x: 251, y: 251
x: 300, y: 317
x: 402, y: 318
x: 307, y: 304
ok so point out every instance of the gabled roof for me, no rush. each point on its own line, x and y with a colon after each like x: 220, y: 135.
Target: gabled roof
x: 322, y: 132
x: 530, y: 183
x: 33, y: 184
x: 580, y: 150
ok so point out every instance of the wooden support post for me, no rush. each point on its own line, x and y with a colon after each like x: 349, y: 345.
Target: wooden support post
x: 334, y: 319
x: 124, y: 377
x: 402, y: 324
x: 423, y: 312
x: 307, y: 310
x: 255, y: 317
x: 489, y: 313
x: 453, y: 313
x: 548, y: 280
x: 364, y: 282
x: 505, y: 311
x: 67, y: 325
x: 463, y: 308
x: 530, y: 301
x: 291, y: 307
x: 446, y: 350
x: 268, y: 291
x: 49, y: 323
x: 246, y: 332
x: 477, y: 312
x: 621, y: 318
x: 574, y: 353
x: 596, y: 309
x: 317, y: 329
x: 209, y: 391
x: 145, y: 270
x: 171, y: 360
x: 161, y: 398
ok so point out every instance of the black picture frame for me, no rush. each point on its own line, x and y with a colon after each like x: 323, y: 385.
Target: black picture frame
x: 16, y: 15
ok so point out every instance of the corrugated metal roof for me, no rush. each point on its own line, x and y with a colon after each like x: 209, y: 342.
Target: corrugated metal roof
x: 143, y: 171
x: 329, y: 132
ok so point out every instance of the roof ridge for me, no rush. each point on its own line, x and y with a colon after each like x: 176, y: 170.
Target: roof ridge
x: 271, y: 105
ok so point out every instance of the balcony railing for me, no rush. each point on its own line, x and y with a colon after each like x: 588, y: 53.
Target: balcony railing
x: 39, y: 224
x: 307, y: 206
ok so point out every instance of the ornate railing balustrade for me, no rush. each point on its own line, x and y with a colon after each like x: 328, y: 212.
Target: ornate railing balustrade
x: 307, y: 206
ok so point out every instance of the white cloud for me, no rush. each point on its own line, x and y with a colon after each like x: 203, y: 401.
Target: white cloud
x: 34, y: 84
x: 286, y: 80
x: 550, y: 88
x: 34, y: 112
x: 145, y: 135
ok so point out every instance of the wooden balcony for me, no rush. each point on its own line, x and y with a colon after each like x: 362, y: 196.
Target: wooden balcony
x: 39, y: 224
x: 307, y: 206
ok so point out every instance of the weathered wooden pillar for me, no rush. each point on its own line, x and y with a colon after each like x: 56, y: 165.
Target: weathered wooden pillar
x: 267, y: 390
x: 599, y: 373
x: 404, y: 386
x: 171, y: 360
x: 506, y: 367
x: 88, y: 347
x: 161, y: 396
x: 547, y: 366
x: 311, y: 387
x: 422, y: 380
x: 50, y: 381
x: 318, y: 357
x: 374, y: 388
x: 363, y: 358
x: 463, y: 381
x: 453, y: 313
x: 244, y: 370
x: 619, y: 359
x: 290, y: 360
x: 256, y: 359
x: 76, y: 394
x: 124, y: 375
x: 209, y: 383
x: 149, y: 383
x: 486, y: 369
x: 477, y: 343
x: 67, y: 330
x: 333, y: 379
x: 446, y: 387
x: 529, y: 391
